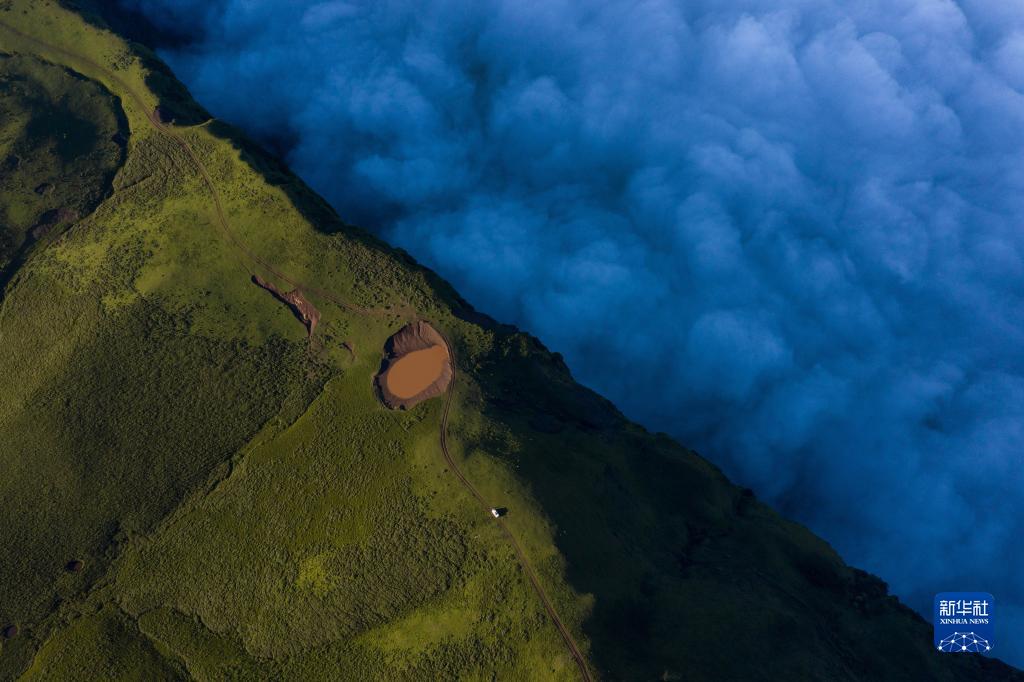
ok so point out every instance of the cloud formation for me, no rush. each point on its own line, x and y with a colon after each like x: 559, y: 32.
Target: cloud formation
x: 807, y: 214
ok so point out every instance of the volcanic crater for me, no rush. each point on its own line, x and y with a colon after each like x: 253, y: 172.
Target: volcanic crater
x: 416, y: 366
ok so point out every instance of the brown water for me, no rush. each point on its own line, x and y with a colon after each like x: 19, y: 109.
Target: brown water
x: 412, y: 373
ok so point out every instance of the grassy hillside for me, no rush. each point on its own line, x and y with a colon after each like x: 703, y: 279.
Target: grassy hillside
x: 61, y: 140
x: 242, y: 505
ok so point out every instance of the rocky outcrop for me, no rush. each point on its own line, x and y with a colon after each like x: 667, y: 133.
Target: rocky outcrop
x: 296, y: 302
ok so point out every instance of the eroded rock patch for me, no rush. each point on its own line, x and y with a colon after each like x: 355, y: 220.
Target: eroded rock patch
x: 299, y: 305
x: 416, y: 366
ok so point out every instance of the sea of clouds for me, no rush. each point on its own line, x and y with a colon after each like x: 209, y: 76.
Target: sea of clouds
x: 788, y: 232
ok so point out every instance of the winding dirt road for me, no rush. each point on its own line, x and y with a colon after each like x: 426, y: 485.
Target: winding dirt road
x: 523, y: 561
x: 151, y: 115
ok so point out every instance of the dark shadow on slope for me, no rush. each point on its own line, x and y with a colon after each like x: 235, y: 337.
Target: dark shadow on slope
x: 61, y: 164
x: 693, y: 578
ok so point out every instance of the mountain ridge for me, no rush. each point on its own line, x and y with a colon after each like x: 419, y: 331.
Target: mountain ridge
x: 517, y: 393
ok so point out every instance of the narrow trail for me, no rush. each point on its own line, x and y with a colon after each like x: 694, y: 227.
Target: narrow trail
x: 222, y: 222
x: 567, y: 637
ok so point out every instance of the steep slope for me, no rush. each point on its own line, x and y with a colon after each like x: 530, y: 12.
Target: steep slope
x: 243, y: 506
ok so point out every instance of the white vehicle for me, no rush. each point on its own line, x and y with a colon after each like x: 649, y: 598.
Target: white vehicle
x: 495, y: 512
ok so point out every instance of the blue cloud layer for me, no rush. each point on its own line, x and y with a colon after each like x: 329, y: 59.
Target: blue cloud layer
x: 788, y: 232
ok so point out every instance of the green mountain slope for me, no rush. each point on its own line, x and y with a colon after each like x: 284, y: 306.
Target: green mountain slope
x: 192, y: 488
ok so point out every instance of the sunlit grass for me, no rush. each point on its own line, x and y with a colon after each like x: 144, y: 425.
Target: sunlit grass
x: 246, y: 509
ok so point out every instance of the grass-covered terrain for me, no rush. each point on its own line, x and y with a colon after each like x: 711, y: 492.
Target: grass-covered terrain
x: 61, y: 140
x: 243, y: 506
